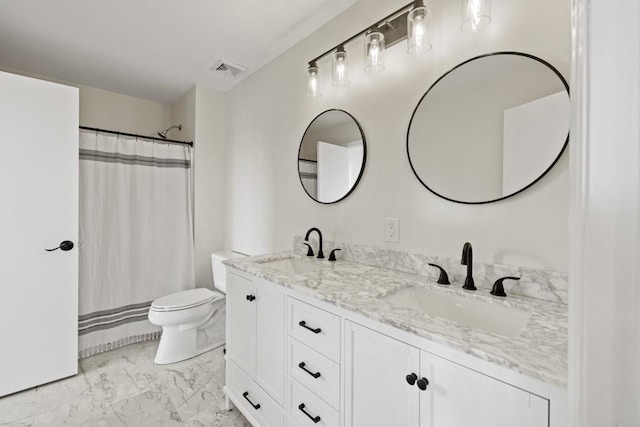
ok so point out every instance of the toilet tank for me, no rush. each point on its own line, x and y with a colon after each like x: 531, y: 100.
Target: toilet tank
x: 219, y: 270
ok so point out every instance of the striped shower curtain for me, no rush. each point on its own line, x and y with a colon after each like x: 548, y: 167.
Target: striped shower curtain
x: 136, y: 235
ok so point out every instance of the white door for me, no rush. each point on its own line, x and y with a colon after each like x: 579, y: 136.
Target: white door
x: 355, y: 156
x: 241, y: 322
x: 458, y: 396
x: 377, y: 393
x: 333, y: 172
x: 39, y: 191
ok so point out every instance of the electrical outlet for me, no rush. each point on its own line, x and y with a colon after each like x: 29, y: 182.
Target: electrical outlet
x: 392, y: 230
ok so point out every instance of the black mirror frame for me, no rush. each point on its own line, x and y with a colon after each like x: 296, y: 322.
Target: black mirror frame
x: 562, y: 150
x: 364, y: 157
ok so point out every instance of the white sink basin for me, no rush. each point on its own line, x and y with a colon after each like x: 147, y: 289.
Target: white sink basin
x: 295, y: 265
x: 495, y: 318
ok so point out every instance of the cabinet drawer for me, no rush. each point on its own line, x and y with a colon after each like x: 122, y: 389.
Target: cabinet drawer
x: 318, y: 373
x: 316, y: 328
x: 252, y: 399
x: 308, y: 410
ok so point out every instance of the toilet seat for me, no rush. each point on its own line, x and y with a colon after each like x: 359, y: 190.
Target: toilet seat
x: 185, y: 299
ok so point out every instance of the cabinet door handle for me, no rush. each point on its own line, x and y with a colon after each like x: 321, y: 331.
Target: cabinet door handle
x: 303, y: 365
x: 411, y: 378
x: 422, y: 383
x: 251, y: 297
x: 304, y: 325
x: 315, y: 419
x: 246, y: 396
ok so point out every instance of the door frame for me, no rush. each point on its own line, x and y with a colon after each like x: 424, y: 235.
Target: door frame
x: 604, y: 219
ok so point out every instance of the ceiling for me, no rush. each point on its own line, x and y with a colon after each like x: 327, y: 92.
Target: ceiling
x: 153, y: 49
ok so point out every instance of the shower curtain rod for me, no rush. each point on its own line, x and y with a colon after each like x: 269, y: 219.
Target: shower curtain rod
x: 168, y: 141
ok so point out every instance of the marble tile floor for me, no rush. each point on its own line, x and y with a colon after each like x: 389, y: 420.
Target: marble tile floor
x: 123, y: 387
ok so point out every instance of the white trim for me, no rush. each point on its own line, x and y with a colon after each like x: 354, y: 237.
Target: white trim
x: 578, y: 164
x: 604, y: 270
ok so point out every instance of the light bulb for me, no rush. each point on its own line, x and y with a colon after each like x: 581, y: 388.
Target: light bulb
x: 340, y: 66
x: 373, y: 51
x: 476, y: 14
x: 418, y: 30
x: 313, y: 81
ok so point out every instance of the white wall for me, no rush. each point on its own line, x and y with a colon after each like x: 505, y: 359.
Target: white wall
x: 209, y: 179
x: 184, y: 112
x: 114, y: 111
x: 269, y: 111
x: 202, y: 113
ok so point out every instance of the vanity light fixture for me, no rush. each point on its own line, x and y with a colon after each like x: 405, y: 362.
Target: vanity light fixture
x: 313, y: 80
x: 374, y: 51
x: 340, y: 67
x: 418, y: 29
x: 411, y: 22
x: 476, y: 15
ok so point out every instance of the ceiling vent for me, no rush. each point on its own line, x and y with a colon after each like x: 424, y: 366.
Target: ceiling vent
x: 228, y: 67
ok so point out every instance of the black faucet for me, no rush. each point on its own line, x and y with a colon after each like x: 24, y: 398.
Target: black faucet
x: 306, y: 239
x: 467, y: 259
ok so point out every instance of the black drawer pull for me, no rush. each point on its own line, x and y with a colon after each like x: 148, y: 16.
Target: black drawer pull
x: 302, y: 365
x: 251, y: 297
x: 246, y: 396
x: 304, y: 325
x: 315, y: 419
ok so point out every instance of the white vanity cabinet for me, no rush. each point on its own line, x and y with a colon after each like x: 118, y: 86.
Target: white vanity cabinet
x: 256, y: 348
x: 295, y: 361
x: 378, y: 373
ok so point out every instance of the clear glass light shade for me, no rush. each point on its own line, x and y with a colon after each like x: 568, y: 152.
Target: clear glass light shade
x: 340, y: 68
x: 373, y: 52
x: 313, y: 81
x: 418, y: 31
x: 476, y: 15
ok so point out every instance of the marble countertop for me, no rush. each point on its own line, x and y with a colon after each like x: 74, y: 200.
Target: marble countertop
x: 540, y: 351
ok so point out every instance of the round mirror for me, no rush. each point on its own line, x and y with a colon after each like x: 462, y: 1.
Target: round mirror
x: 489, y: 128
x: 331, y: 156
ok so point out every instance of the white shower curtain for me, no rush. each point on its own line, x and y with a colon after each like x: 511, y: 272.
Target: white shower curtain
x: 136, y: 235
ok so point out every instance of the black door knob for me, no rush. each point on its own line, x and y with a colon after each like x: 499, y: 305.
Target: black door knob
x: 251, y: 297
x: 422, y: 383
x: 411, y: 378
x: 67, y: 245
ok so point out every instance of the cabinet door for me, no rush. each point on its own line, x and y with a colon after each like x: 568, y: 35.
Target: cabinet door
x: 270, y: 340
x: 241, y: 321
x: 458, y: 396
x: 377, y: 393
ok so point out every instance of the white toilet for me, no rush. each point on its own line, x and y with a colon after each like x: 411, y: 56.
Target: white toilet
x: 193, y: 321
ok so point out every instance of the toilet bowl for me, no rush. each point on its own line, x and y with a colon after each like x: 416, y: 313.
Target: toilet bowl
x: 193, y: 321
x: 190, y: 324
